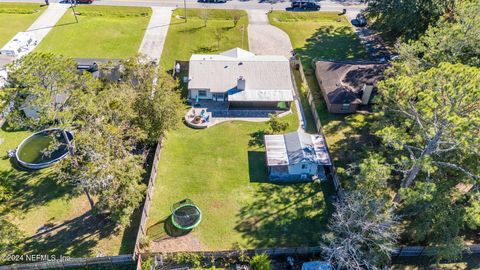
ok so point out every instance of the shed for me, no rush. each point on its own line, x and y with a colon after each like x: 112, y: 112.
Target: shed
x: 296, y: 156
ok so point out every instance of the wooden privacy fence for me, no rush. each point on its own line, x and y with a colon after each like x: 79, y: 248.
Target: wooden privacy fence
x: 73, y: 262
x: 297, y: 64
x: 142, y: 229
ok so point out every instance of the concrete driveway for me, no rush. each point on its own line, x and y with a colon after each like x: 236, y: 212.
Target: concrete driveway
x: 156, y: 33
x: 264, y: 38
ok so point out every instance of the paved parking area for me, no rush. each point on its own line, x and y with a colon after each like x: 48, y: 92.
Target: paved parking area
x: 264, y: 38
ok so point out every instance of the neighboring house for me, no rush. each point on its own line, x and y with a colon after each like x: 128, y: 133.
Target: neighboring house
x: 100, y: 68
x: 21, y: 44
x: 296, y: 156
x: 242, y: 79
x: 348, y: 85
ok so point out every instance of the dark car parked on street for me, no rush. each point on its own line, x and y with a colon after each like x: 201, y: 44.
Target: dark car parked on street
x: 360, y: 20
x: 304, y: 5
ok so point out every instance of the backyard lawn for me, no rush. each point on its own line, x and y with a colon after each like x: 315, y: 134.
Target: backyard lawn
x: 226, y: 178
x: 102, y: 31
x: 16, y: 17
x: 39, y: 202
x: 185, y: 39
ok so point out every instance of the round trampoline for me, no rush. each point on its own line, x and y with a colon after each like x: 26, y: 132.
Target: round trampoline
x: 186, y: 215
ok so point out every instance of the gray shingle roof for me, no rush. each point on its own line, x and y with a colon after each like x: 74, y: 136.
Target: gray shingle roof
x: 342, y: 82
x: 267, y: 77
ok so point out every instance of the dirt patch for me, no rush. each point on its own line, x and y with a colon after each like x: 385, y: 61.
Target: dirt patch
x: 187, y: 242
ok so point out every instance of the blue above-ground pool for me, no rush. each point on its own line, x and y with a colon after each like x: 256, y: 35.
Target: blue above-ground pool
x: 34, y: 152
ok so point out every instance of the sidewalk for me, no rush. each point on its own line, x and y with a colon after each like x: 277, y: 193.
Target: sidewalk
x: 156, y: 33
x: 47, y: 20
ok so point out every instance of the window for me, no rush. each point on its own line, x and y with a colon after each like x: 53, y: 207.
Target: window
x: 345, y: 107
x: 202, y: 93
x: 304, y: 166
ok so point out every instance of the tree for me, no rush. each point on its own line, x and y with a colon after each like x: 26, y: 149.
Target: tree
x: 276, y: 125
x: 434, y: 117
x: 261, y: 262
x: 435, y: 218
x: 41, y: 83
x: 218, y: 33
x: 236, y: 16
x: 204, y: 15
x: 453, y: 39
x: 405, y: 19
x: 159, y: 111
x: 362, y: 233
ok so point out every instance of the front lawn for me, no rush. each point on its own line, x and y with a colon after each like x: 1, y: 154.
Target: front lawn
x: 226, y: 178
x: 102, y: 32
x: 319, y: 35
x: 187, y: 38
x: 54, y: 220
x: 16, y: 17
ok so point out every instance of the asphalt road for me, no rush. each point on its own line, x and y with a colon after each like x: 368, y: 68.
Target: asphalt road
x: 327, y: 5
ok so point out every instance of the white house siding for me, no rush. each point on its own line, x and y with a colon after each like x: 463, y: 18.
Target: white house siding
x: 310, y: 168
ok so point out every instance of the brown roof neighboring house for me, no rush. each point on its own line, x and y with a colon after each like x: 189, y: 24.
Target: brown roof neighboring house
x: 346, y: 85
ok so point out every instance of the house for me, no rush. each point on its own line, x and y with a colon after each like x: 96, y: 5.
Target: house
x: 100, y: 68
x: 296, y: 156
x: 242, y: 79
x: 348, y: 85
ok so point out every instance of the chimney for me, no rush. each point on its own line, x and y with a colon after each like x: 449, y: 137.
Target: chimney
x: 241, y: 83
x: 367, y: 92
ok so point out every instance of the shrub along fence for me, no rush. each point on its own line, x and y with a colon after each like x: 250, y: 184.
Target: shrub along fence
x: 297, y: 64
x: 142, y: 228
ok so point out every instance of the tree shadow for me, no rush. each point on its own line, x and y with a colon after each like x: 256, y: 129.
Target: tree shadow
x: 191, y: 30
x: 331, y: 43
x: 257, y: 139
x: 286, y: 215
x: 257, y: 169
x: 75, y: 237
x: 32, y: 189
x: 205, y: 50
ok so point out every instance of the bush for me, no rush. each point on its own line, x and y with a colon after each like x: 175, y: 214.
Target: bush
x: 144, y: 241
x: 261, y: 262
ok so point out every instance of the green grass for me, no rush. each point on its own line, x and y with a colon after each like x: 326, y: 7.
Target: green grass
x: 319, y: 35
x: 102, y: 31
x: 226, y: 177
x: 16, y: 17
x: 40, y: 199
x: 185, y: 39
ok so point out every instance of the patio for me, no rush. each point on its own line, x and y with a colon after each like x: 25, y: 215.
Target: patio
x: 206, y: 113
